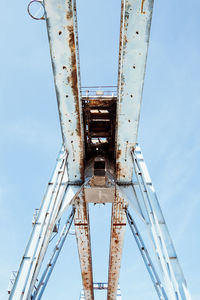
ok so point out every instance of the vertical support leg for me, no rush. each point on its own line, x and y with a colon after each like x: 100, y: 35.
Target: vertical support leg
x: 173, y: 278
x: 58, y: 191
x: 118, y: 225
x: 41, y: 233
x: 40, y: 288
x: 82, y: 228
x: 146, y: 257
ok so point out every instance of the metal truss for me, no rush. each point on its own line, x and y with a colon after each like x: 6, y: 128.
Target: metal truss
x: 93, y: 129
x: 102, y: 286
x: 146, y: 257
x: 41, y: 285
x: 59, y: 195
x: 142, y: 198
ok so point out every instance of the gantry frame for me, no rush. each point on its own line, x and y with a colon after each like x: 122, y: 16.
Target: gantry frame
x: 130, y: 185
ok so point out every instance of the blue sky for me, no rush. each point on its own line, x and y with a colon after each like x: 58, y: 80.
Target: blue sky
x: 168, y: 134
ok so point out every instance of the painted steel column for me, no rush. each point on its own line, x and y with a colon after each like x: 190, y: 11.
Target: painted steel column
x: 134, y: 39
x: 118, y: 225
x: 63, y: 40
x: 82, y: 229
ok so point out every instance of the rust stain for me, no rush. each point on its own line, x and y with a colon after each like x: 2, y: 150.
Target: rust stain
x: 142, y: 7
x: 119, y: 170
x: 126, y: 150
x: 125, y: 40
x: 72, y: 79
x: 81, y: 221
x: 118, y: 154
x: 69, y: 15
x: 120, y: 41
x: 116, y: 245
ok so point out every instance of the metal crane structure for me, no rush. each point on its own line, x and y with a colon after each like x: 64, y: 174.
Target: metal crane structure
x: 100, y: 162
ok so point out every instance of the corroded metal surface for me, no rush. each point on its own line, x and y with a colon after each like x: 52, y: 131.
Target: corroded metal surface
x: 62, y: 32
x: 99, y: 125
x: 100, y: 181
x: 118, y: 225
x: 82, y: 228
x: 134, y: 39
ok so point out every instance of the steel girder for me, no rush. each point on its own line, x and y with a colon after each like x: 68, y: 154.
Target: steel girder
x: 63, y: 40
x: 134, y: 40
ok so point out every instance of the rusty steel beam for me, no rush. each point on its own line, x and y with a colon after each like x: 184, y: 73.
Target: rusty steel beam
x: 82, y: 229
x: 63, y: 40
x: 134, y: 39
x: 118, y: 226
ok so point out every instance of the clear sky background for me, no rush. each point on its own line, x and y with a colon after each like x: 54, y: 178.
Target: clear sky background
x: 169, y: 135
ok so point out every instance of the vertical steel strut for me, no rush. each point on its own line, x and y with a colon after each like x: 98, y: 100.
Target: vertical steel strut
x: 39, y: 289
x: 146, y: 257
x: 118, y: 226
x: 82, y: 229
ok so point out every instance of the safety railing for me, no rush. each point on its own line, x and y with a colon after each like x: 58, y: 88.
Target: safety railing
x: 99, y: 91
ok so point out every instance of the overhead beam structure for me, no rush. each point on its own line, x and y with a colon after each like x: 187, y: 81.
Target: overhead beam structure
x: 136, y: 18
x: 62, y: 31
x: 100, y: 162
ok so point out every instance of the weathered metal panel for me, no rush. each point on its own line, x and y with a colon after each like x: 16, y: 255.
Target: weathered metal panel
x: 62, y: 32
x: 118, y: 225
x: 82, y: 228
x: 100, y: 194
x: 134, y: 39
